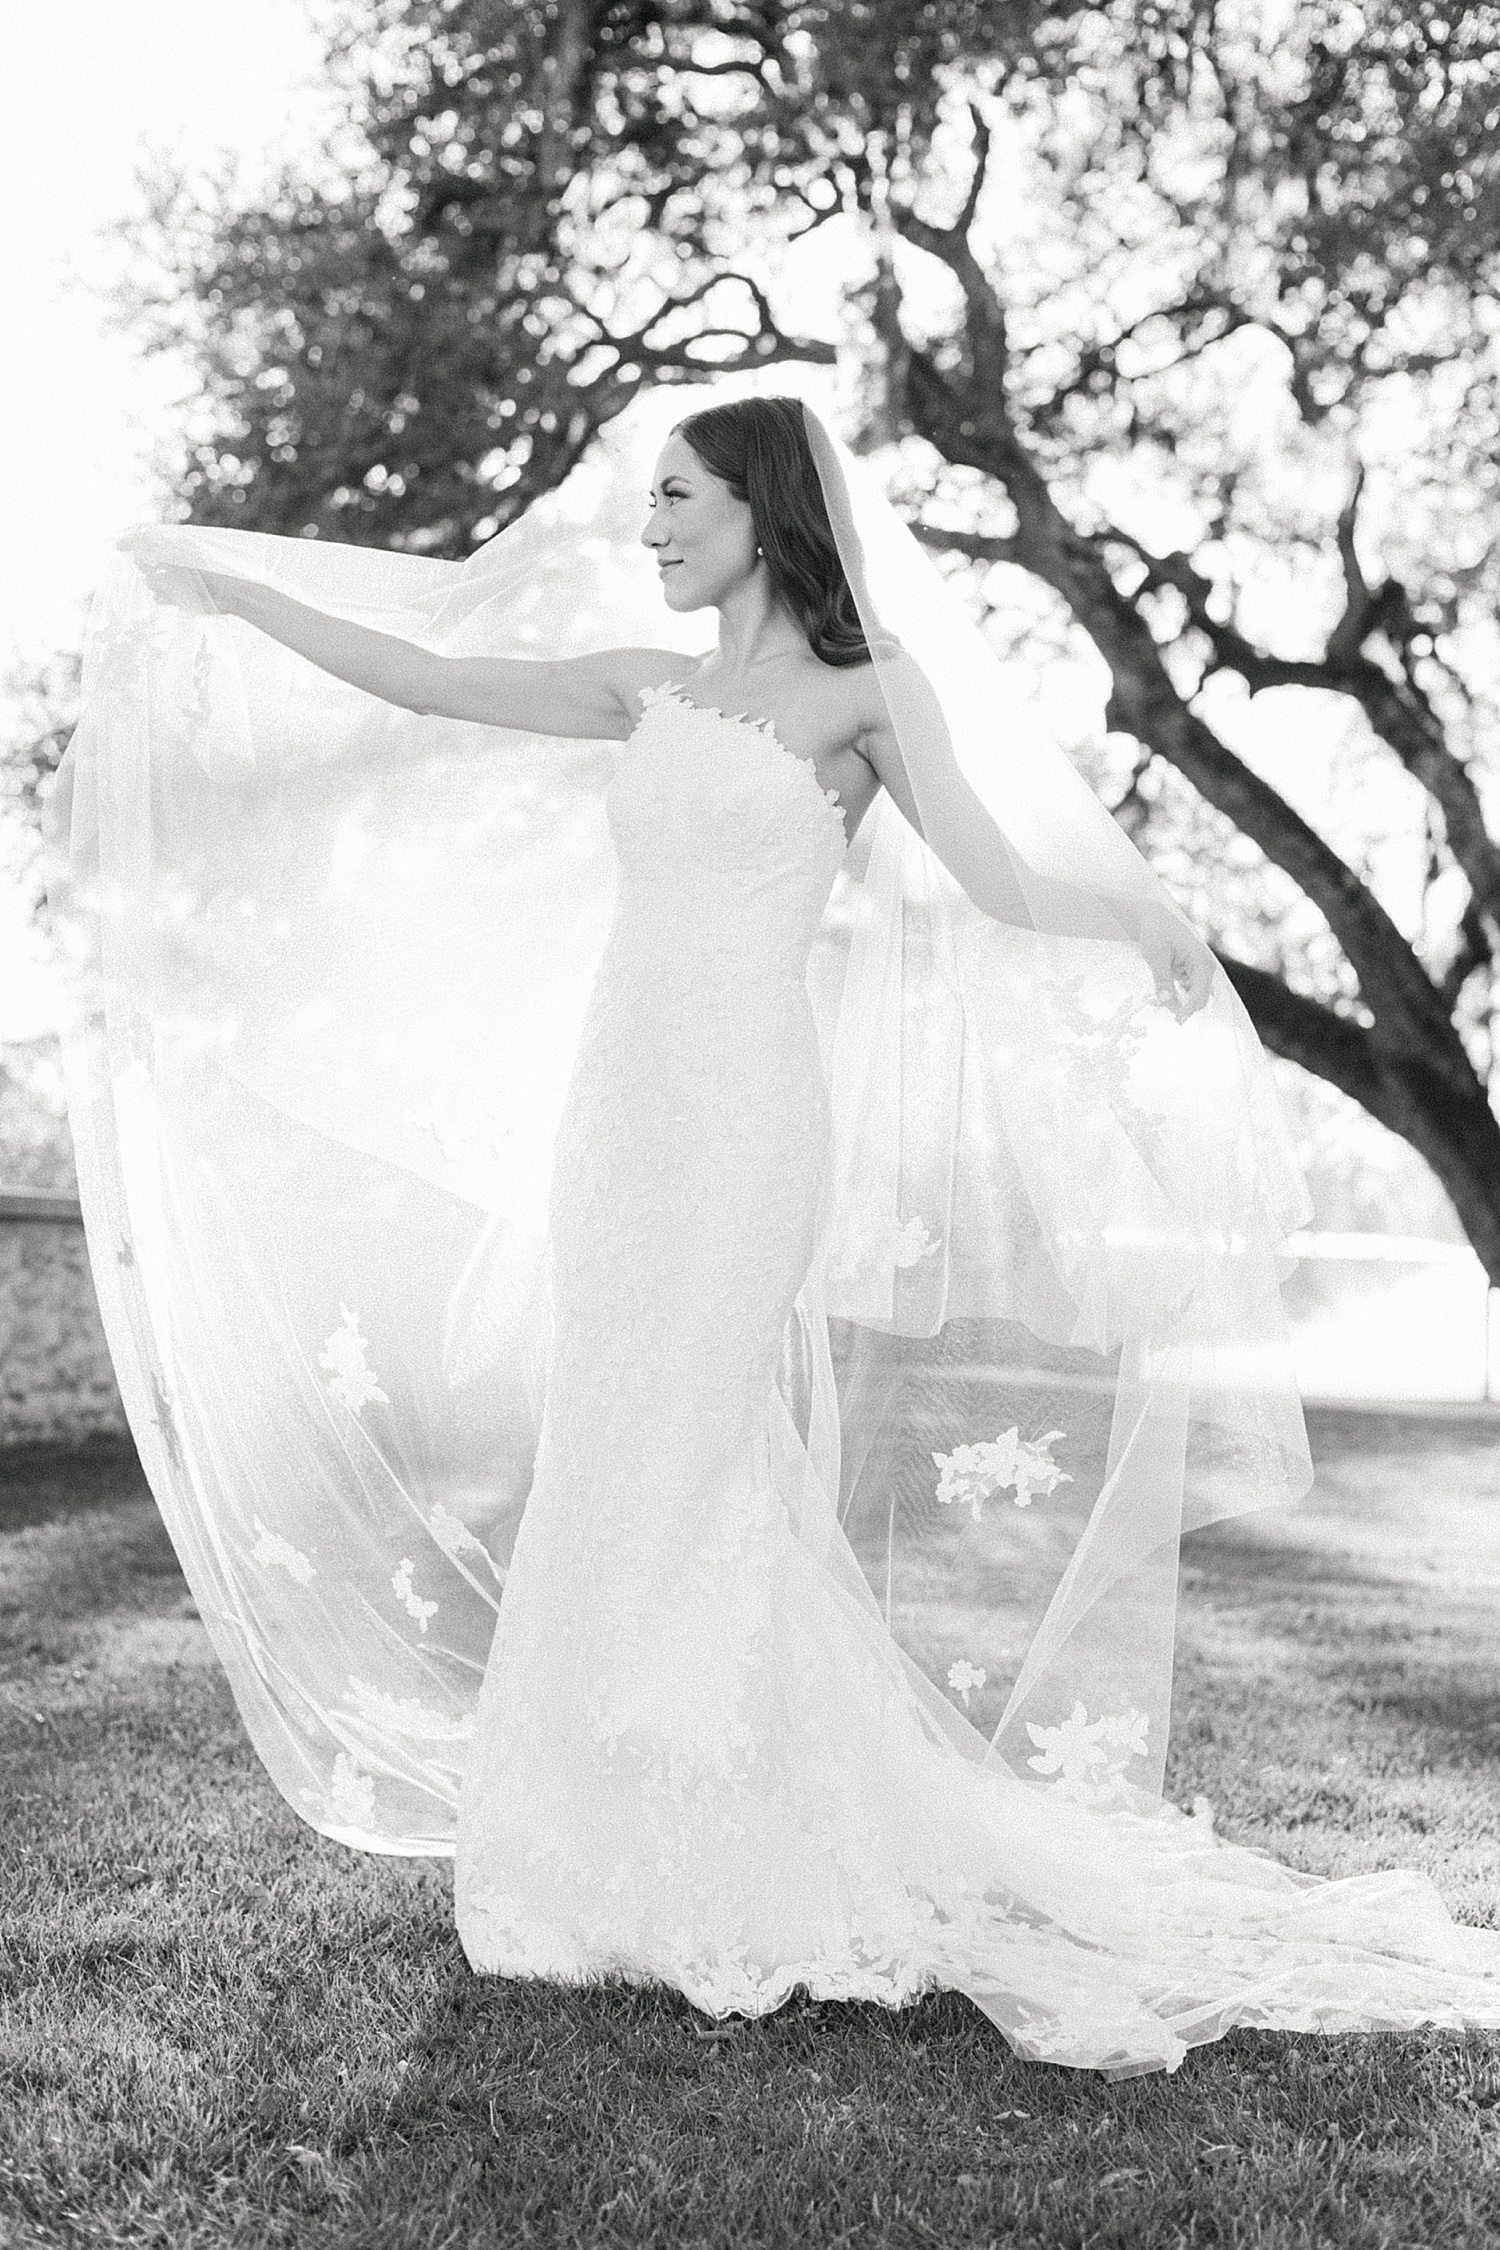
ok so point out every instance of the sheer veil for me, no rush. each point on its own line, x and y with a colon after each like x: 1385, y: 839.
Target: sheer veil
x: 330, y: 960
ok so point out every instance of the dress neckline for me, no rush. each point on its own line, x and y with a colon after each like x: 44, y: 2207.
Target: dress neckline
x: 763, y: 727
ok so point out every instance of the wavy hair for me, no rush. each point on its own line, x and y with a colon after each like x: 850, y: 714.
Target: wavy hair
x: 759, y: 448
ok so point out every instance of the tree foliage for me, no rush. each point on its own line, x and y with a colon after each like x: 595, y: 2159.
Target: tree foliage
x: 530, y: 209
x: 1181, y: 316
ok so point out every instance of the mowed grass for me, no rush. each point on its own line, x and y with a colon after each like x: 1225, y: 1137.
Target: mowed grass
x: 219, y: 2028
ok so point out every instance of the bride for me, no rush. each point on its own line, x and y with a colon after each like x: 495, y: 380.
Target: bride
x: 735, y: 1099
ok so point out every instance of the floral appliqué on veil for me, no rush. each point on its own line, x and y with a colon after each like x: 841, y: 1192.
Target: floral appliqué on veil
x: 973, y: 1474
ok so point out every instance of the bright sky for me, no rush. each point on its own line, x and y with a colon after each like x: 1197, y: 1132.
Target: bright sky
x: 95, y: 85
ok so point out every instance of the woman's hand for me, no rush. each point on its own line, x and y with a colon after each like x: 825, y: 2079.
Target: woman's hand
x: 162, y: 555
x: 151, y: 544
x: 1181, y: 965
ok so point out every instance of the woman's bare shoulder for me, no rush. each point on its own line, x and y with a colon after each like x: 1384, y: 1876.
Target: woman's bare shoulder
x: 870, y: 685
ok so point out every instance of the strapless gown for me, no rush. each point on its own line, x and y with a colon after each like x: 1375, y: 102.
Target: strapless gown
x: 697, y: 1757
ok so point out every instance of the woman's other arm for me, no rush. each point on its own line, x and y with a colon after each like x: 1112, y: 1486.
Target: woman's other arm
x: 1181, y: 965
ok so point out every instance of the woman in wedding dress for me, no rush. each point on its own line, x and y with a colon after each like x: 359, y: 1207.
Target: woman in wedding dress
x: 693, y: 1728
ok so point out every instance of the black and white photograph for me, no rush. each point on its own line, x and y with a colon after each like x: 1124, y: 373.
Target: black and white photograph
x: 750, y: 1125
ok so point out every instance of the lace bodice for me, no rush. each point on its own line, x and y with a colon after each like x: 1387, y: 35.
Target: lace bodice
x: 724, y: 838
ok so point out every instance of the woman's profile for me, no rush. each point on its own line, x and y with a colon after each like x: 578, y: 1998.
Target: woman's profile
x: 684, y: 1232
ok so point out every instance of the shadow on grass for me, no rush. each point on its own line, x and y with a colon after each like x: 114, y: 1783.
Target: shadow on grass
x: 42, y: 1482
x: 607, y: 2115
x: 222, y: 2029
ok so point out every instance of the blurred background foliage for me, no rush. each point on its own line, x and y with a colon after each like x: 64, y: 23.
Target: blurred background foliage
x: 1177, y: 322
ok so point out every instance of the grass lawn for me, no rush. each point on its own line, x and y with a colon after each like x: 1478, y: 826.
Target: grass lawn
x: 219, y: 2028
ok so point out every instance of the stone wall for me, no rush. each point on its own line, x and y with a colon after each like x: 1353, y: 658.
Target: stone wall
x: 56, y: 1380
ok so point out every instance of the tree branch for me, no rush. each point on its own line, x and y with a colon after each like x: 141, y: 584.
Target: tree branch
x: 1398, y: 713
x: 981, y: 125
x: 1303, y: 1030
x: 1455, y: 1130
x: 985, y: 314
x: 1101, y: 359
x: 979, y: 546
x: 1145, y: 701
x: 768, y: 346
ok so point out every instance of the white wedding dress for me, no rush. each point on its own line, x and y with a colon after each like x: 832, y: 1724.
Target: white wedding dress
x: 698, y: 1755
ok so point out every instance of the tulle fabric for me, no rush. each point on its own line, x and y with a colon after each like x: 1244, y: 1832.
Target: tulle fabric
x: 1085, y: 1200
x: 332, y: 960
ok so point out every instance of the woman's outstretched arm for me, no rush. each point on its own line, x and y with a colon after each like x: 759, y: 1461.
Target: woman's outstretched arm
x: 575, y: 696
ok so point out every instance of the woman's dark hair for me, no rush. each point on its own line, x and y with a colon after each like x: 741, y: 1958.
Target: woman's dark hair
x: 759, y: 448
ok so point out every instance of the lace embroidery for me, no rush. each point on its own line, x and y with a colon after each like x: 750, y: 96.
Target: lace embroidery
x: 1114, y: 1051
x: 351, y: 1800
x: 350, y: 1380
x: 405, y: 1715
x: 898, y: 1244
x: 1088, y: 1756
x: 271, y: 1548
x: 414, y: 1605
x: 973, y: 1474
x: 196, y: 711
x: 164, y: 1415
x: 455, y: 1538
x: 964, y: 1678
x: 669, y: 693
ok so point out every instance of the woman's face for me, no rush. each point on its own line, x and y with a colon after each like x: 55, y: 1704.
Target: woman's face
x: 701, y: 535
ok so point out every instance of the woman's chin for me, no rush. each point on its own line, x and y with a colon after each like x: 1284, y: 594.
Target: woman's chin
x: 676, y: 595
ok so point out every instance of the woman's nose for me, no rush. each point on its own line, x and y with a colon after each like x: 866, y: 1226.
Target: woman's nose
x: 650, y: 536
